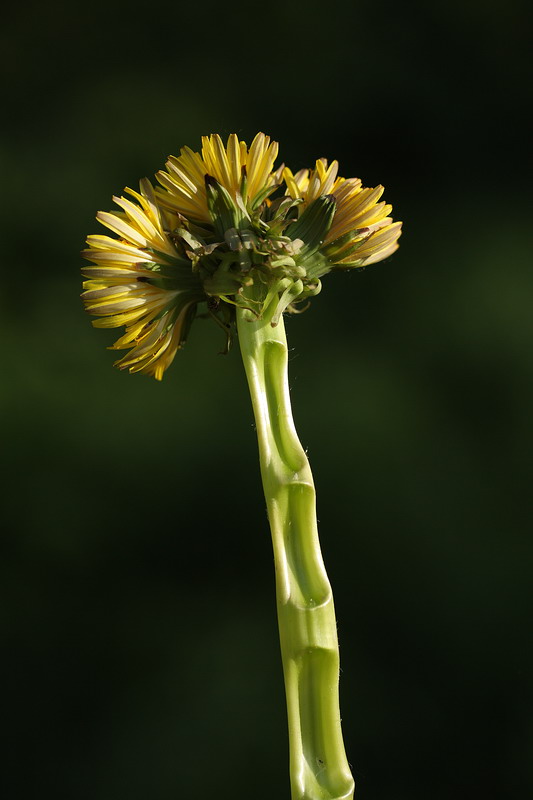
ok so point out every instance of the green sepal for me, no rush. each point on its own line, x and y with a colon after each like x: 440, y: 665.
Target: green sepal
x: 344, y: 246
x: 282, y: 261
x: 313, y: 226
x: 224, y: 212
x: 222, y: 283
x: 262, y: 196
x: 315, y: 264
x: 281, y: 207
x: 290, y: 294
x: 341, y: 242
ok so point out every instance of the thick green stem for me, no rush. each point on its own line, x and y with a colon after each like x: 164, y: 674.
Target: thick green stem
x: 308, y: 633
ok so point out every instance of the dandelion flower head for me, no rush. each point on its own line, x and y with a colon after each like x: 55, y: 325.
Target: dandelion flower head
x: 225, y: 229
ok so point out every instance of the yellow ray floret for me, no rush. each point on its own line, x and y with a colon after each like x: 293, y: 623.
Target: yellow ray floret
x: 126, y: 283
x: 184, y: 180
x: 359, y: 216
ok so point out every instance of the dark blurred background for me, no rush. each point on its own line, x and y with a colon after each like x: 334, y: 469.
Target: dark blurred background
x: 138, y: 614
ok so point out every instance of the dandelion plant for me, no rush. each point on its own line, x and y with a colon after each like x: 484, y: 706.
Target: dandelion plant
x: 227, y: 236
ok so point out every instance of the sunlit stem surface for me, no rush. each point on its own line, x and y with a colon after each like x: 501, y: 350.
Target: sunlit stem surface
x: 308, y: 633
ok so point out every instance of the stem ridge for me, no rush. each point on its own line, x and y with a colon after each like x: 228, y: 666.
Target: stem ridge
x: 308, y: 633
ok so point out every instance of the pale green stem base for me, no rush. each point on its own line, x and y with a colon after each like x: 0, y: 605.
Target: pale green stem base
x: 308, y: 632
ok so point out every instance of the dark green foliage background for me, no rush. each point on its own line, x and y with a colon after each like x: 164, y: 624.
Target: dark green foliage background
x: 138, y: 617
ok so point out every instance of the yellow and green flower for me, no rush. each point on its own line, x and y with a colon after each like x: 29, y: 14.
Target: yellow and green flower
x: 225, y: 230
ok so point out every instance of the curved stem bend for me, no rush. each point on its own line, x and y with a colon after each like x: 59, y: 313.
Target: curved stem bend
x: 308, y: 633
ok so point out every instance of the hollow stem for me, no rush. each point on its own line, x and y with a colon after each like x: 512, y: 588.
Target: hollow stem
x: 308, y: 633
